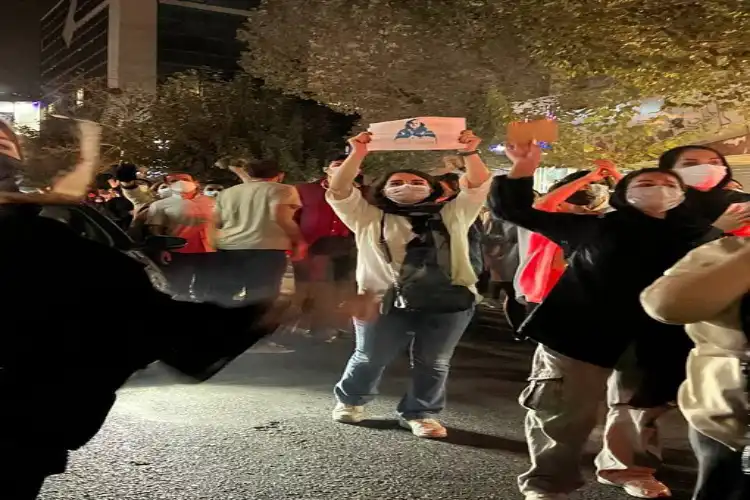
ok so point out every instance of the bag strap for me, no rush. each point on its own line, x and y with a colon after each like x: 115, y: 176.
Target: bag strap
x: 399, y: 302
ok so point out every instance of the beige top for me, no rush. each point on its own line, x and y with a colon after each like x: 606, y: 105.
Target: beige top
x: 373, y: 273
x: 713, y: 396
x: 247, y: 216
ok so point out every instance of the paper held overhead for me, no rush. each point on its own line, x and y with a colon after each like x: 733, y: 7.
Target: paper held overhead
x: 428, y: 133
x: 537, y: 130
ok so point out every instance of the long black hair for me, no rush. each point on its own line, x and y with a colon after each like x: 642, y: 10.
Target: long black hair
x: 668, y: 160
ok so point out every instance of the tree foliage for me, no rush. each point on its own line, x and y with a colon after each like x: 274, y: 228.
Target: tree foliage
x: 190, y: 122
x: 385, y: 59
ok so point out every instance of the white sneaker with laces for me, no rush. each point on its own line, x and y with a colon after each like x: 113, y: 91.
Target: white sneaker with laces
x: 428, y: 428
x: 348, y: 414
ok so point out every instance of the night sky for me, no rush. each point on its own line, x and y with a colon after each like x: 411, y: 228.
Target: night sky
x: 19, y: 44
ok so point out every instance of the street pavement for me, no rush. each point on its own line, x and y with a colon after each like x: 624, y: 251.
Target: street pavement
x: 261, y: 430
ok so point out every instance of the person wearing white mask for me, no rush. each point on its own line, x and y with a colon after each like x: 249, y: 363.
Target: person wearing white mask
x: 414, y: 271
x: 163, y: 190
x: 593, y: 316
x: 188, y: 214
x: 212, y: 189
x: 707, y: 174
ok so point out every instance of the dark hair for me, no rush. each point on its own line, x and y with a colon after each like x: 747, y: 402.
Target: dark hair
x: 377, y: 197
x: 574, y: 176
x: 669, y: 158
x: 263, y: 169
x: 618, y: 199
x: 451, y: 178
x: 337, y: 157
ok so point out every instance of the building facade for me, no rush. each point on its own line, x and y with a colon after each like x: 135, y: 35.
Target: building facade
x: 138, y: 42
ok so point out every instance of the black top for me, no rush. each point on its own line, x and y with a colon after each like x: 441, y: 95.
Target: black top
x: 593, y: 314
x: 77, y: 325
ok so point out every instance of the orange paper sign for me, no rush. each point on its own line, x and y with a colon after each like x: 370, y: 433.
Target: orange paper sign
x: 537, y: 130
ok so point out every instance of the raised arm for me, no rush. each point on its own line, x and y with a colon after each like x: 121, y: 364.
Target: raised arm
x: 702, y: 285
x: 512, y: 199
x: 342, y: 181
x: 477, y: 172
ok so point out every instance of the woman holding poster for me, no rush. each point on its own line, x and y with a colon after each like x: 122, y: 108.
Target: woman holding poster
x: 414, y: 264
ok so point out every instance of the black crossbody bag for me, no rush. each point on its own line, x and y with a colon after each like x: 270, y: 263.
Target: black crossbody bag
x: 434, y: 293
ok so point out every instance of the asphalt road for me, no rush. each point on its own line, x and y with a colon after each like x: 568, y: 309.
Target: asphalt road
x: 262, y: 430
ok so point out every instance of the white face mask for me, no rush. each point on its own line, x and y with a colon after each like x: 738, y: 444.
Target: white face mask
x: 655, y: 198
x: 180, y: 187
x: 213, y: 193
x: 704, y: 176
x: 164, y: 192
x: 407, y: 194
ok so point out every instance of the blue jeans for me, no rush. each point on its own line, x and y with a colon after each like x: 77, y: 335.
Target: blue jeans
x: 431, y: 339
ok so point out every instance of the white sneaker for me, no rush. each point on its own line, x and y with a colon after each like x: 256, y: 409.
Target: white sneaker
x: 348, y: 414
x: 640, y: 487
x: 546, y: 496
x: 428, y: 428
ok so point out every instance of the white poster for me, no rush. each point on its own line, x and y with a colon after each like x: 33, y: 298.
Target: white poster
x: 428, y: 133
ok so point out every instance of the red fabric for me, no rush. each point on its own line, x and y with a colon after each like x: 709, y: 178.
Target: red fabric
x: 743, y: 232
x: 316, y: 218
x: 542, y: 270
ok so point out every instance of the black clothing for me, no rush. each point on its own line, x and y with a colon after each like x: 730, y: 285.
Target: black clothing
x: 121, y: 211
x: 59, y: 371
x: 501, y: 244
x: 246, y: 275
x: 593, y: 314
x: 720, y: 474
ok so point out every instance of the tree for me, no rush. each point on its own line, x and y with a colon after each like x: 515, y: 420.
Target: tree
x: 191, y: 121
x: 599, y: 58
x: 386, y: 59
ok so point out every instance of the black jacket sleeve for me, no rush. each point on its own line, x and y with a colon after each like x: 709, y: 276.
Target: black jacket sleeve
x: 513, y: 199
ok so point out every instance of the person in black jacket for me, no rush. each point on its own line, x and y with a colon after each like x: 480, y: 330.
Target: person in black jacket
x: 593, y: 315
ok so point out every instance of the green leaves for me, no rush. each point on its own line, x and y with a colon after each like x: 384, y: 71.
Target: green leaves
x: 192, y: 120
x: 598, y: 58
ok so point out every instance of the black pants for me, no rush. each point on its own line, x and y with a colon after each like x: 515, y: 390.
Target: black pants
x: 720, y: 474
x: 247, y: 275
x: 186, y: 273
x: 515, y: 312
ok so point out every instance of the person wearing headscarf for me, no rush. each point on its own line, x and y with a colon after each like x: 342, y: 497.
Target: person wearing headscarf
x: 414, y: 262
x: 709, y: 291
x: 593, y: 315
x: 58, y: 379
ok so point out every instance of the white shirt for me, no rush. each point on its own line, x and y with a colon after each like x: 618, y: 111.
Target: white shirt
x: 185, y: 218
x: 373, y: 272
x: 247, y: 213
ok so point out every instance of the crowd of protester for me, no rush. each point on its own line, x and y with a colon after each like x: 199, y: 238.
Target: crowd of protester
x: 602, y: 272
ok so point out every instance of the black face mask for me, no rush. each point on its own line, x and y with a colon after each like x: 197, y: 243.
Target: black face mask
x: 10, y: 169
